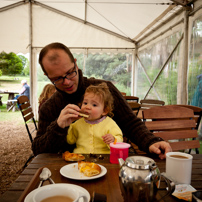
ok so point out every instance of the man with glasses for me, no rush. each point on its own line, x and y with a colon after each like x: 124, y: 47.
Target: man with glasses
x: 62, y: 108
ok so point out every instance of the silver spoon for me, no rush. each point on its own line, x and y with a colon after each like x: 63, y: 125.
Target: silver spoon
x: 49, y: 176
x: 43, y: 176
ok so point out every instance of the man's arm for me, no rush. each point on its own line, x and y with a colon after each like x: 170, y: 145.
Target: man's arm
x: 50, y: 137
x: 22, y: 90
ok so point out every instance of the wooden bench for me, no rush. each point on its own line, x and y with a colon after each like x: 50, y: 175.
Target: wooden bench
x: 11, y: 105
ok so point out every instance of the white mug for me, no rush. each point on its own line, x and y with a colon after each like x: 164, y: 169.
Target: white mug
x: 58, y: 190
x: 179, y: 167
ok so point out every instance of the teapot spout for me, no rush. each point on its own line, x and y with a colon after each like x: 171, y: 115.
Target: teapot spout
x: 121, y: 162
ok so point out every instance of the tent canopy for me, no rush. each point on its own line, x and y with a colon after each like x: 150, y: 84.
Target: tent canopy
x: 117, y: 24
x: 94, y: 26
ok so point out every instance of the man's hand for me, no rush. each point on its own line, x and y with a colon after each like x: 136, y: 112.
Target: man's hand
x: 69, y: 114
x: 160, y: 148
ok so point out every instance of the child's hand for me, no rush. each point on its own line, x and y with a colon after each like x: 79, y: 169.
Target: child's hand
x: 108, y: 138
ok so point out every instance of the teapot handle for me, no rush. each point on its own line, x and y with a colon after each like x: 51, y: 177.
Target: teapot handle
x: 171, y: 187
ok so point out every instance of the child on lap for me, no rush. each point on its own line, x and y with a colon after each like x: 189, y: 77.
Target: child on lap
x: 94, y: 133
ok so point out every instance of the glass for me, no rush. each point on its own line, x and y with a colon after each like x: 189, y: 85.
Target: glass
x: 68, y: 76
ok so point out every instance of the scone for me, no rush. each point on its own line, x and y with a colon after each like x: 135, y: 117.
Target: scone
x: 89, y: 169
x: 67, y: 156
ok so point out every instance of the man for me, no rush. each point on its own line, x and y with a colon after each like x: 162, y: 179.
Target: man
x: 62, y: 109
x: 25, y: 90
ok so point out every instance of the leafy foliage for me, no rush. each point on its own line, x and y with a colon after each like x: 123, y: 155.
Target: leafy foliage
x: 109, y: 67
x: 25, y: 63
x: 10, y: 64
x: 114, y: 68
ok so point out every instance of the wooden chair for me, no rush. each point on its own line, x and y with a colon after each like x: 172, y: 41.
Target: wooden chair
x: 26, y: 110
x: 174, y: 124
x: 197, y: 115
x: 123, y: 93
x: 131, y: 98
x: 135, y: 107
x: 148, y: 103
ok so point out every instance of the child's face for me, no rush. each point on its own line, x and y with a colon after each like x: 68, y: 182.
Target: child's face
x: 93, y: 106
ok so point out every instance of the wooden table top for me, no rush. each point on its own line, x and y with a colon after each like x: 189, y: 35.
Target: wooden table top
x: 108, y: 184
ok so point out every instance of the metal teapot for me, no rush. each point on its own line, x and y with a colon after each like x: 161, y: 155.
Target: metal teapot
x: 139, y: 179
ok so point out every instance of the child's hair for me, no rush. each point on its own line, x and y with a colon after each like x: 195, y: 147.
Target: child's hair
x: 47, y: 90
x: 103, y: 92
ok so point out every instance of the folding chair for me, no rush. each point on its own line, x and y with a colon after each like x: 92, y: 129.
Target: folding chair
x: 174, y: 124
x: 26, y: 110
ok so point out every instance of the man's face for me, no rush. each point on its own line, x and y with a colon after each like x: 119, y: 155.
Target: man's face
x: 58, y: 64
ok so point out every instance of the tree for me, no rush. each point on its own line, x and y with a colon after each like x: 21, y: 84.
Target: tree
x: 10, y: 64
x: 25, y: 63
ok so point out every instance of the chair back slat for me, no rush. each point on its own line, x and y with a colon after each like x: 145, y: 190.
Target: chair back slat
x: 170, y: 125
x: 24, y: 105
x: 172, y: 135
x: 154, y: 102
x: 27, y: 111
x: 175, y: 124
x: 28, y: 117
x: 148, y: 103
x: 175, y: 112
x: 177, y: 146
x: 131, y: 98
x: 197, y: 113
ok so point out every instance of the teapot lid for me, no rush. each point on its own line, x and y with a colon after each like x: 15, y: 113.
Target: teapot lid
x: 140, y: 162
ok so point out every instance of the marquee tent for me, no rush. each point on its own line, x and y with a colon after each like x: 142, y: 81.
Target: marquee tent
x: 90, y: 25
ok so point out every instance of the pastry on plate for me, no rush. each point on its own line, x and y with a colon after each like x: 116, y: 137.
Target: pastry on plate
x: 67, y: 156
x: 89, y: 169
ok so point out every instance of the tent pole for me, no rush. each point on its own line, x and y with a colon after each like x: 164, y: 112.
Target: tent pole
x: 134, y: 74
x: 182, y: 87
x: 33, y: 70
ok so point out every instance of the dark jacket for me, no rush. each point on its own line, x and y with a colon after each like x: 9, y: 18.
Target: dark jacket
x: 51, y: 138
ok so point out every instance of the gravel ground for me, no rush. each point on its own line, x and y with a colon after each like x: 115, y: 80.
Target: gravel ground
x: 15, y: 149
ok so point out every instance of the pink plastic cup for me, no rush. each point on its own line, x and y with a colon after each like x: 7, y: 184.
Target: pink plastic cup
x: 118, y: 150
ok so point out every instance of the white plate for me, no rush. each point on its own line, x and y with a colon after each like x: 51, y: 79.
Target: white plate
x: 80, y: 189
x: 71, y: 171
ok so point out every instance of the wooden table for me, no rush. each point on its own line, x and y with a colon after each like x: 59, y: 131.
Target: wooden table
x: 108, y: 184
x: 11, y: 94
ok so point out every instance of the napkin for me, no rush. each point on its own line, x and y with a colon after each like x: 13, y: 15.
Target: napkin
x: 184, y: 192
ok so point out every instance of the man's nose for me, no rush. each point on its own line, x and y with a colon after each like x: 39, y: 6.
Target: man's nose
x: 66, y: 81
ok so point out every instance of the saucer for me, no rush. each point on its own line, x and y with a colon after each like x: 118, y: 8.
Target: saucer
x: 80, y: 189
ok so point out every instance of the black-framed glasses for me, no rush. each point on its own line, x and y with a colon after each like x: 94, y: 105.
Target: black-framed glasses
x: 72, y: 73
